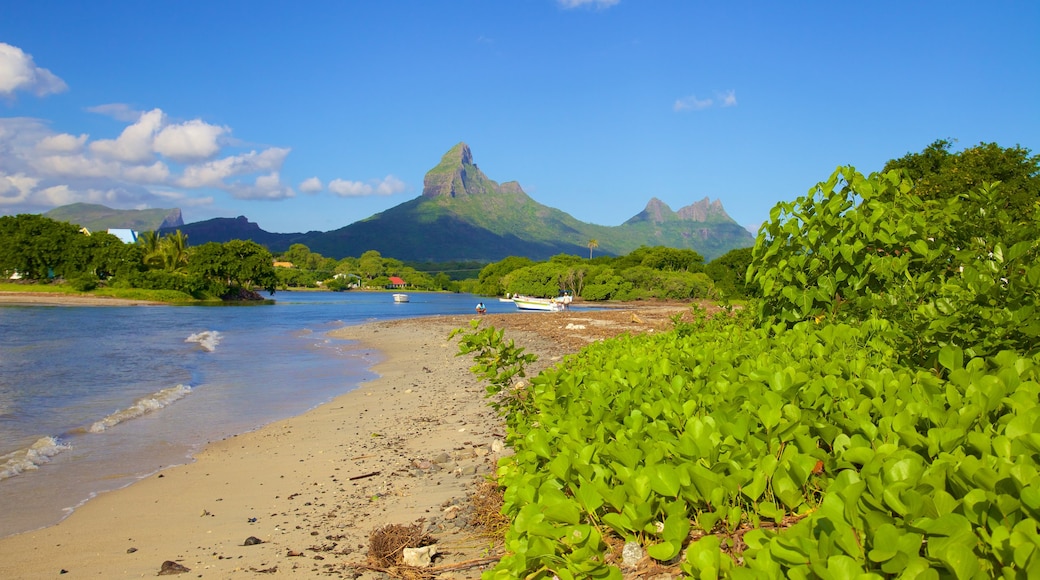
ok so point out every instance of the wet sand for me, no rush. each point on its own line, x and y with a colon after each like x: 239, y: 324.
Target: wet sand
x: 408, y: 447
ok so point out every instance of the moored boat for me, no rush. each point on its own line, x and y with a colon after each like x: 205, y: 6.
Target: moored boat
x: 400, y: 298
x: 542, y: 304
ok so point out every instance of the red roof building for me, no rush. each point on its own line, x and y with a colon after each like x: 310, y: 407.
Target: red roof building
x: 396, y: 282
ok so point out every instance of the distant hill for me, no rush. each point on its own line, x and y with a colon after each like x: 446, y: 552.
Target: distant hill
x: 100, y: 218
x: 464, y: 215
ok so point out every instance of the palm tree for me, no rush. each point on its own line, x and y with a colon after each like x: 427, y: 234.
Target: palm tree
x: 593, y: 243
x: 150, y: 244
x: 174, y: 251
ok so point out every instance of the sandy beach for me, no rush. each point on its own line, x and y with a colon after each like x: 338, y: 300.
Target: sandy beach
x: 300, y: 497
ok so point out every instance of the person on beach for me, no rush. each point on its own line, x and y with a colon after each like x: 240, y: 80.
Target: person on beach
x: 480, y: 308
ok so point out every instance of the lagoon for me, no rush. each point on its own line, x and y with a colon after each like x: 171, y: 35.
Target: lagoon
x: 95, y: 398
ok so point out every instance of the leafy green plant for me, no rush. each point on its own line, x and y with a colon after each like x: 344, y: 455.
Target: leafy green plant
x: 498, y: 362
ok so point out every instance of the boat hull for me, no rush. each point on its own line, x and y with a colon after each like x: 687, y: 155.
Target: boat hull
x: 540, y: 304
x: 400, y: 298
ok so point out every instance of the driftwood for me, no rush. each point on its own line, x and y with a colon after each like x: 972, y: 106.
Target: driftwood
x: 373, y: 474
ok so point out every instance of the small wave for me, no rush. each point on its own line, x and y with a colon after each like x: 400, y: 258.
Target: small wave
x: 153, y: 402
x: 207, y: 339
x: 30, y: 458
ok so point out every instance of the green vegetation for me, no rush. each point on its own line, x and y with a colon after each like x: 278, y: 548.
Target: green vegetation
x: 646, y: 273
x: 35, y: 248
x: 876, y: 414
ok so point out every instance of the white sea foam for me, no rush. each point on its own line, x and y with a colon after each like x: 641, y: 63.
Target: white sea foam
x: 152, y: 402
x: 207, y: 339
x: 31, y: 457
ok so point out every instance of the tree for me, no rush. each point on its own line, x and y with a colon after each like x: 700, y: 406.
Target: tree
x: 150, y: 244
x: 173, y: 250
x: 944, y: 270
x: 593, y: 243
x: 38, y: 247
x: 370, y: 265
x: 938, y: 173
x: 235, y: 264
x: 490, y: 279
x: 729, y: 272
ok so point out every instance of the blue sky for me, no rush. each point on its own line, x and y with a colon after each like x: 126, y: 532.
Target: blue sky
x: 313, y: 115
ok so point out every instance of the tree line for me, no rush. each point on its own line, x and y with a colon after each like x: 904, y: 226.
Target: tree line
x: 37, y: 248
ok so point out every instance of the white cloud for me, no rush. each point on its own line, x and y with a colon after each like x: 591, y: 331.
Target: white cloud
x: 118, y: 111
x: 62, y: 143
x: 266, y: 187
x: 157, y: 172
x: 568, y: 4
x: 729, y: 98
x: 311, y: 185
x: 390, y: 185
x: 18, y: 72
x: 16, y: 188
x: 134, y: 144
x: 191, y: 141
x: 345, y: 188
x: 213, y: 173
x: 692, y: 103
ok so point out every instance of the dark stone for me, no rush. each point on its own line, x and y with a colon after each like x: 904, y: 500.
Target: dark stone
x: 170, y: 567
x: 252, y: 541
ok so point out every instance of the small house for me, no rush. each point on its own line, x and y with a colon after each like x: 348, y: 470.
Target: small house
x: 396, y: 283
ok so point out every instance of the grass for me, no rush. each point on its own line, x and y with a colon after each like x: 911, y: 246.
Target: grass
x: 170, y: 296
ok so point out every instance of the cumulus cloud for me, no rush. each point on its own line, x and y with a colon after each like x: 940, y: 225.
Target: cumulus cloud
x: 213, y: 173
x: 692, y: 103
x: 191, y: 141
x: 62, y: 144
x: 134, y: 144
x: 16, y: 188
x: 266, y: 187
x: 311, y: 185
x: 569, y: 4
x: 389, y: 185
x: 18, y: 72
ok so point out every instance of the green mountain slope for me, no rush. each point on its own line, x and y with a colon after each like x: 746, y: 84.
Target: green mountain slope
x: 100, y: 218
x: 464, y: 215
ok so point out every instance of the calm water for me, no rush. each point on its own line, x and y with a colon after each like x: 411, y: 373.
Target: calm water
x: 94, y: 398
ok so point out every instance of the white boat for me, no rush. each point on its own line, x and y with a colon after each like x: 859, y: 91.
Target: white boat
x: 542, y: 304
x: 400, y: 298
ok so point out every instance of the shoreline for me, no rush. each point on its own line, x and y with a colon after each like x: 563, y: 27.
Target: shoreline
x: 59, y: 299
x: 407, y: 447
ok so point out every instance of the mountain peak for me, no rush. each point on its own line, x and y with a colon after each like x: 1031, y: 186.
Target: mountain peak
x: 457, y: 175
x: 704, y: 210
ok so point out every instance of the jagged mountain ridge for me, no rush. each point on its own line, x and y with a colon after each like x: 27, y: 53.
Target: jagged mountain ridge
x: 464, y: 215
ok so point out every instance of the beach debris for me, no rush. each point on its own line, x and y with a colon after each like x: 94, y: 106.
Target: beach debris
x: 364, y: 476
x: 386, y: 544
x: 131, y: 550
x: 571, y: 326
x: 419, y: 557
x: 170, y: 568
x: 252, y: 541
